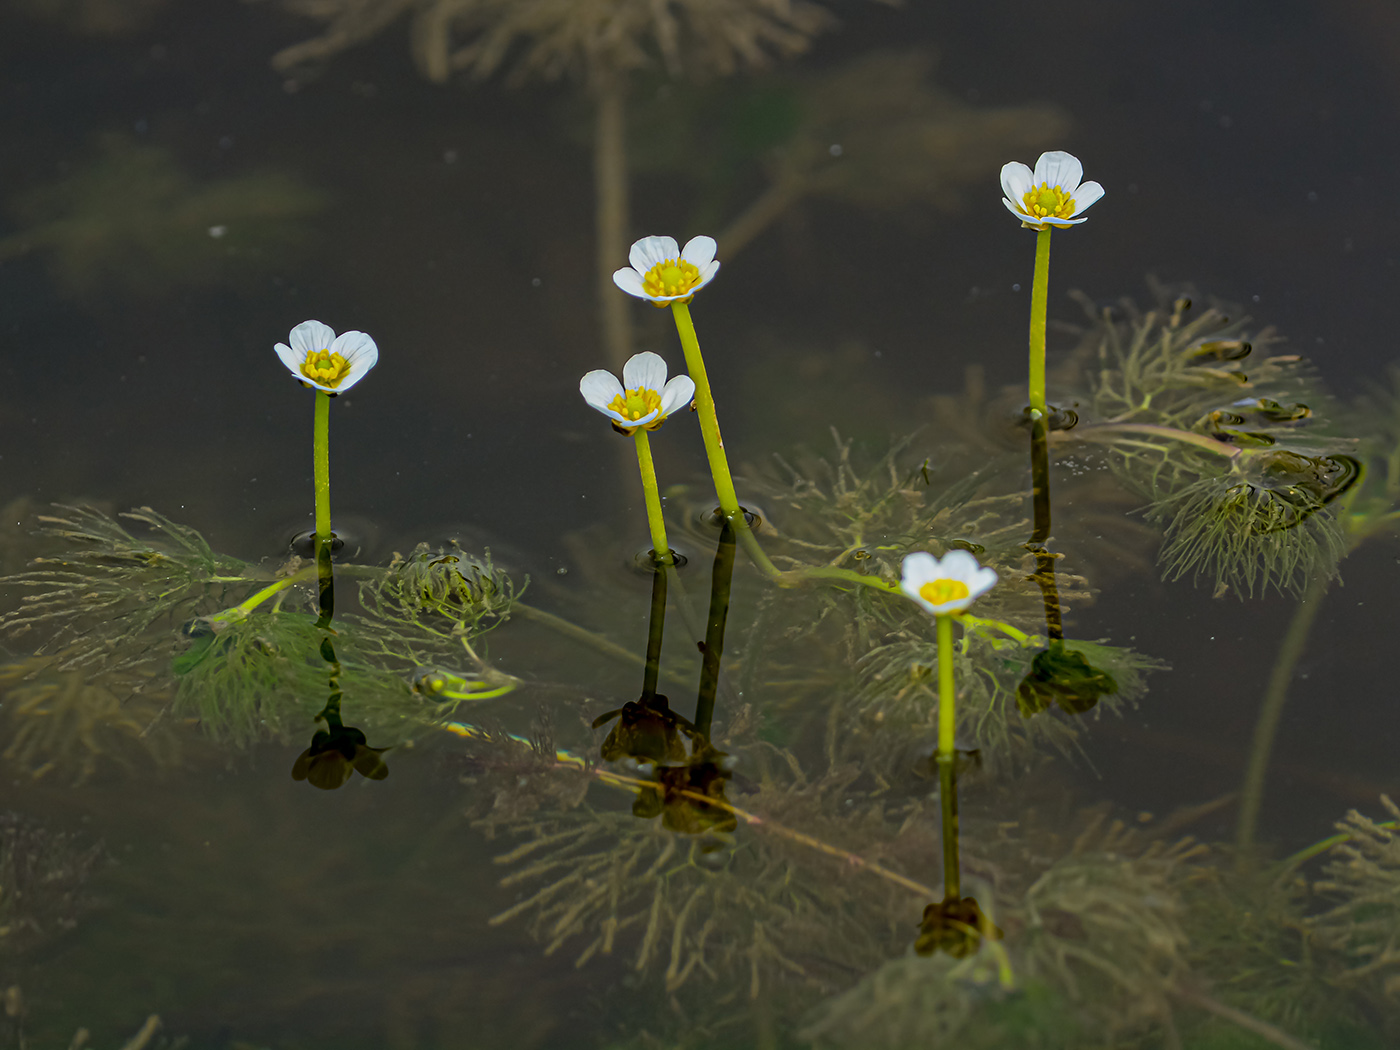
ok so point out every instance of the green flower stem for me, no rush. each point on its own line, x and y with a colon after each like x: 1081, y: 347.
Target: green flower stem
x: 323, y: 467
x: 660, y: 550
x: 322, y: 473
x: 947, y: 786
x: 978, y: 623
x: 714, y: 443
x: 1040, y: 293
x: 1271, y: 712
x: 709, y: 421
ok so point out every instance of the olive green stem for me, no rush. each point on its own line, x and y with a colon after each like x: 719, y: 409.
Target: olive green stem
x: 1271, y: 713
x: 1040, y: 293
x: 1306, y: 854
x: 1106, y: 432
x: 713, y: 650
x: 947, y: 756
x: 660, y: 550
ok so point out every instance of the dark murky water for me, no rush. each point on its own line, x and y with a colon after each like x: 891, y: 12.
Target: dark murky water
x: 173, y: 206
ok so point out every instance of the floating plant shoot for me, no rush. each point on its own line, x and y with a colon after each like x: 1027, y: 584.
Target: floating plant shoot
x: 1051, y: 195
x: 946, y: 588
x: 641, y: 402
x: 330, y: 364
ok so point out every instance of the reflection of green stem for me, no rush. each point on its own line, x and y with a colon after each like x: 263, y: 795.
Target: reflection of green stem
x: 714, y: 631
x: 947, y: 786
x: 1270, y: 713
x: 1040, y: 294
x: 660, y: 550
x: 610, y: 195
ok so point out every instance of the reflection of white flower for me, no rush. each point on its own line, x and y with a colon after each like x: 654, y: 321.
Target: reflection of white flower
x: 947, y: 586
x: 319, y: 358
x: 665, y: 274
x: 643, y: 398
x: 1052, y: 195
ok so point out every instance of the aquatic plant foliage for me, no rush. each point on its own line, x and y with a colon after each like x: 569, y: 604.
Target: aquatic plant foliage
x: 1363, y: 925
x: 131, y: 623
x: 1235, y: 471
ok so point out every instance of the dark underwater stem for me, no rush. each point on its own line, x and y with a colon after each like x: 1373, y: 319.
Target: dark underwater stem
x: 1040, y: 503
x: 656, y: 629
x: 714, y: 631
x: 1271, y: 712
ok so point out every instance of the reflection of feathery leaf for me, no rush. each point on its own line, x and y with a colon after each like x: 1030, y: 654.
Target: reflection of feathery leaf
x: 133, y: 221
x: 582, y: 38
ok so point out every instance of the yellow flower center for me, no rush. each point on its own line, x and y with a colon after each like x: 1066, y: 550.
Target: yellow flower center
x: 940, y: 592
x: 672, y: 277
x: 635, y: 404
x: 1048, y: 202
x: 324, y: 367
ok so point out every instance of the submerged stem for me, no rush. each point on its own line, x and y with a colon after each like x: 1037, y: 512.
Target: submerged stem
x: 1106, y: 431
x: 1271, y: 712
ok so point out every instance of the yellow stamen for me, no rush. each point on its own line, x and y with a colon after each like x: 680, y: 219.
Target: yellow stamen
x: 324, y: 367
x: 635, y: 404
x: 671, y: 277
x: 1048, y: 202
x: 940, y: 592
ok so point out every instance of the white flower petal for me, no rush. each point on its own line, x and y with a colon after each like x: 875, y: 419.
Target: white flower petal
x: 291, y: 359
x: 360, y: 353
x: 649, y: 251
x: 630, y: 281
x: 1015, y: 181
x: 1086, y: 195
x: 707, y: 274
x: 644, y: 371
x: 1014, y: 210
x: 699, y: 251
x: 1059, y: 169
x: 921, y: 568
x: 677, y: 394
x: 958, y: 565
x: 312, y: 335
x: 599, y: 387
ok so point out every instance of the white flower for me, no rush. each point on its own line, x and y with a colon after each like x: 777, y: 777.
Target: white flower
x: 643, y: 399
x: 947, y: 586
x: 319, y: 358
x: 664, y: 274
x: 1052, y: 195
